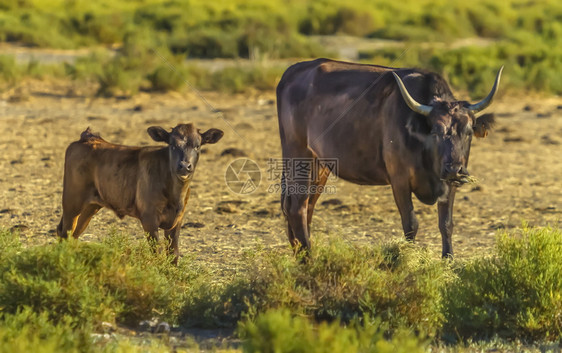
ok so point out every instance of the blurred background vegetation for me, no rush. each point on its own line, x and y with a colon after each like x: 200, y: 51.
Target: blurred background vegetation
x: 467, y: 42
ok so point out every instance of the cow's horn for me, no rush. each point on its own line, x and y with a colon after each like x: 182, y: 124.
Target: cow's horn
x: 483, y: 104
x: 415, y: 106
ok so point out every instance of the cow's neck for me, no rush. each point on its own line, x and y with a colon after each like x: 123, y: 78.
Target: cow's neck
x: 428, y: 186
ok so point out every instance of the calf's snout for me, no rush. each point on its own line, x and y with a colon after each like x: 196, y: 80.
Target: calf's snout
x: 185, y: 167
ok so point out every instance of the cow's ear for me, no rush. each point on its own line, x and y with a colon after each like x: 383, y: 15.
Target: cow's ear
x: 484, y: 124
x: 158, y: 134
x: 211, y: 136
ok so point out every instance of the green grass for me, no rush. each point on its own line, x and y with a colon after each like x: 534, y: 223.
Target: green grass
x: 354, y: 298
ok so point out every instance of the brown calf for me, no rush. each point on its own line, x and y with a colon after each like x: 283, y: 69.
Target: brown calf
x: 148, y: 183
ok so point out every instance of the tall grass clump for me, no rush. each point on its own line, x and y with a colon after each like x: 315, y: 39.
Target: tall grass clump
x: 115, y: 281
x: 517, y: 292
x: 396, y: 282
x: 9, y: 242
x: 279, y: 331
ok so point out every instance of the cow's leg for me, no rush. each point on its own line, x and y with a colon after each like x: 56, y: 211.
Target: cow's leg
x: 285, y: 209
x: 403, y: 199
x: 316, y: 191
x: 172, y: 236
x: 445, y: 210
x: 84, y: 218
x: 296, y: 201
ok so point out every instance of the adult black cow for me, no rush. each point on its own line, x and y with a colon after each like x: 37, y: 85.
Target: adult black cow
x: 383, y: 125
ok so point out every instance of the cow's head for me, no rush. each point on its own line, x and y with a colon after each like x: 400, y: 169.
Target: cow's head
x: 453, y: 123
x: 184, y: 146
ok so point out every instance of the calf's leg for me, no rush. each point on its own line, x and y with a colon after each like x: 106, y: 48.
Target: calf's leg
x: 84, y: 219
x: 67, y: 224
x: 71, y: 209
x: 172, y: 237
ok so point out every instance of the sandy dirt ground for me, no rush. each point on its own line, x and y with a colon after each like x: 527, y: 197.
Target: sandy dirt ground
x: 519, y: 168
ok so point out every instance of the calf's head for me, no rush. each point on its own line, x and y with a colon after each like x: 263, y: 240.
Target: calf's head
x: 453, y: 123
x: 184, y: 146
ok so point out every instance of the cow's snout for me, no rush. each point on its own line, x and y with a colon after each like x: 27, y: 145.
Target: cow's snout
x: 454, y: 172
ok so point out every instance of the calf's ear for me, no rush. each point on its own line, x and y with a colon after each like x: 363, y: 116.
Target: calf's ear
x: 211, y: 136
x: 158, y: 134
x: 483, y: 124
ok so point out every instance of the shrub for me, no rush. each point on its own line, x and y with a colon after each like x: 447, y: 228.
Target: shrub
x: 397, y: 283
x: 89, y: 282
x: 515, y: 293
x: 241, y: 79
x: 163, y: 78
x: 28, y: 331
x: 279, y: 331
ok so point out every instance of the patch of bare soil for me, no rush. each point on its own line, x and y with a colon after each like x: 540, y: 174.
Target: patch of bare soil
x: 519, y: 168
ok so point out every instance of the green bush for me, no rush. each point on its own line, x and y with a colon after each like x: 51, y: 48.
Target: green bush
x: 57, y: 294
x: 279, y: 331
x: 517, y: 292
x: 28, y: 331
x: 164, y: 78
x: 115, y: 281
x: 397, y: 283
x: 241, y: 79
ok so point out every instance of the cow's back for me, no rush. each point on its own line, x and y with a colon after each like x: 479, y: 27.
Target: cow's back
x: 329, y: 107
